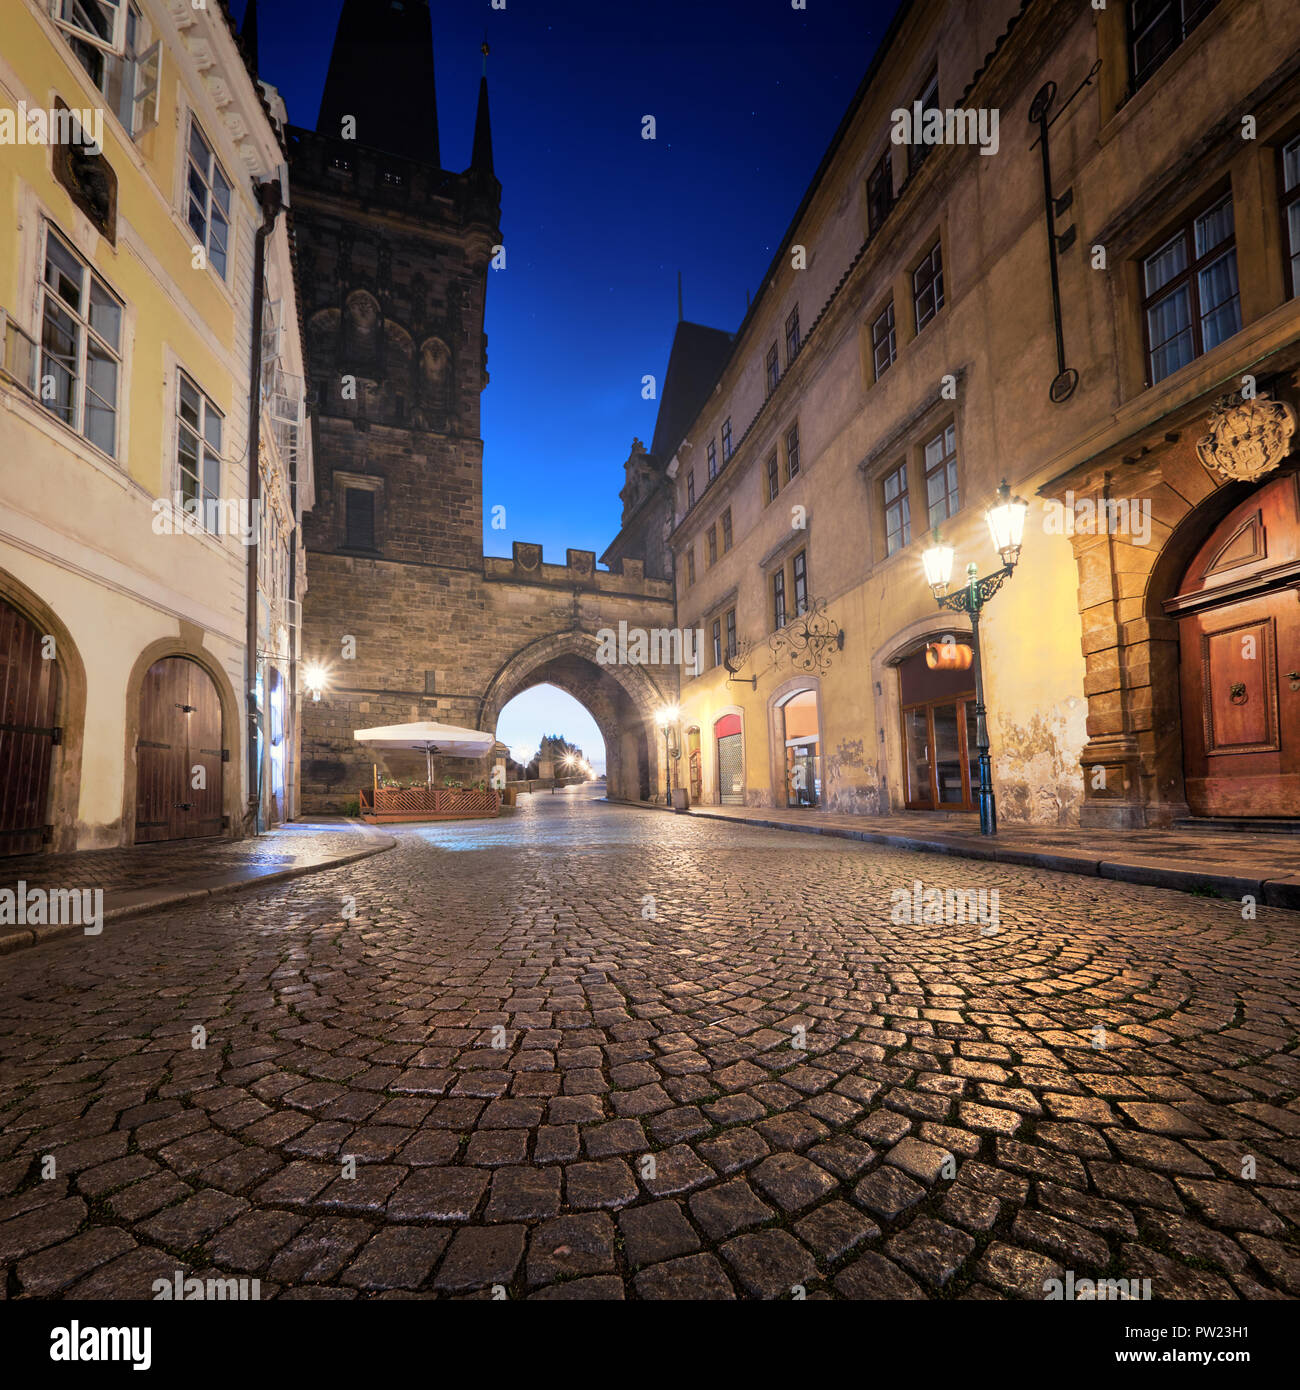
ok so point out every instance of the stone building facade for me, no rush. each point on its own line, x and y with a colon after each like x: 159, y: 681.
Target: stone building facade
x: 907, y: 352
x: 408, y: 617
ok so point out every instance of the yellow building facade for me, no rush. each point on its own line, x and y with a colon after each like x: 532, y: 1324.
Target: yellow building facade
x: 151, y: 348
x: 907, y: 352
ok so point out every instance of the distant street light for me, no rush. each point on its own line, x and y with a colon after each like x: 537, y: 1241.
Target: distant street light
x: 1006, y: 520
x: 666, y: 717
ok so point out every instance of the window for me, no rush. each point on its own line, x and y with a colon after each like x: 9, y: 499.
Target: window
x: 772, y: 369
x: 927, y: 287
x: 80, y: 351
x: 359, y: 519
x: 712, y: 537
x: 792, y: 453
x: 800, y: 568
x: 778, y: 598
x: 1157, y: 27
x: 773, y: 477
x: 880, y: 194
x: 713, y: 460
x: 1189, y: 285
x: 884, y: 345
x: 690, y: 489
x: 726, y: 439
x: 97, y: 23
x: 726, y: 530
x: 898, y: 510
x: 731, y: 632
x: 929, y: 99
x: 198, y: 449
x: 941, y: 477
x: 130, y: 80
x: 717, y: 641
x: 209, y: 201
x: 792, y: 336
x: 690, y: 567
x: 1291, y: 213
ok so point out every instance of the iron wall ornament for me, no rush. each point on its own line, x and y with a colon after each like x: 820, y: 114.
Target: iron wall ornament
x: 733, y: 661
x: 1247, y: 438
x: 810, y: 640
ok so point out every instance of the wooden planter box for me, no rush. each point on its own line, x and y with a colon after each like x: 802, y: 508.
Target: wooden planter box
x: 383, y: 804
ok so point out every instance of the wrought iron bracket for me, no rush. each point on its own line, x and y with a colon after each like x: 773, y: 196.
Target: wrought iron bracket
x: 810, y: 640
x: 971, y: 597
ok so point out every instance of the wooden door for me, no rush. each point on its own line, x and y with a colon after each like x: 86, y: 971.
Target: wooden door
x: 1239, y: 631
x: 29, y: 702
x: 178, y: 753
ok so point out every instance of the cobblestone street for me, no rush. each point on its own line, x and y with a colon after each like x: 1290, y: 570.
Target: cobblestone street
x: 563, y: 1049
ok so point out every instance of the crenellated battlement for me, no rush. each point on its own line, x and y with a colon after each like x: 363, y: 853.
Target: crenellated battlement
x: 526, y: 566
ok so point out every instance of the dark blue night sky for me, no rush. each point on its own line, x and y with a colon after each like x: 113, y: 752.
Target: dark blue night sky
x: 597, y: 221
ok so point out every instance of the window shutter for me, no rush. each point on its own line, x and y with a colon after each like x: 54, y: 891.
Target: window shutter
x: 147, y: 82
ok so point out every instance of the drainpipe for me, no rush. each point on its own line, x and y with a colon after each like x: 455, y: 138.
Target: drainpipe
x: 268, y: 195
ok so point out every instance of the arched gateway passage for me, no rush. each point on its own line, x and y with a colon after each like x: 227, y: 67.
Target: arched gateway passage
x: 621, y: 698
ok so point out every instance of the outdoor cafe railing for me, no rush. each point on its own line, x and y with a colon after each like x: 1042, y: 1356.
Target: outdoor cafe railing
x: 429, y: 801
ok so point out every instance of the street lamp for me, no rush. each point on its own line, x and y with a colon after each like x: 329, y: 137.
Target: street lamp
x: 1006, y: 520
x: 315, y: 677
x: 666, y: 717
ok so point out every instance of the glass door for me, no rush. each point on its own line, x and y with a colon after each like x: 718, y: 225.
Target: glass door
x: 941, y: 761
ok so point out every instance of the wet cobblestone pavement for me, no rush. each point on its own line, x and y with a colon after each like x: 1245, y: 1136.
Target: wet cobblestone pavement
x: 563, y: 1054
x: 148, y: 866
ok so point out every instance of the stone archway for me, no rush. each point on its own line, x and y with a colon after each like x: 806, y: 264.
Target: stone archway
x: 621, y: 698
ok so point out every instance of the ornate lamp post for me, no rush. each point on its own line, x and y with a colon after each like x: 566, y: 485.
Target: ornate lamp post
x: 666, y: 718
x: 1006, y: 520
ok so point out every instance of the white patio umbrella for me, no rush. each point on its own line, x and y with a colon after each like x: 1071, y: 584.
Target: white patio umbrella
x: 429, y: 736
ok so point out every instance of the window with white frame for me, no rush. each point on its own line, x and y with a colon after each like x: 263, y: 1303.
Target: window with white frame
x: 100, y: 23
x: 208, y: 200
x: 198, y: 450
x: 80, y: 367
x: 942, y: 498
x: 129, y: 80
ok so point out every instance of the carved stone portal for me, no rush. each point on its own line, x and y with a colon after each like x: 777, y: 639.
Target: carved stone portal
x: 1247, y: 438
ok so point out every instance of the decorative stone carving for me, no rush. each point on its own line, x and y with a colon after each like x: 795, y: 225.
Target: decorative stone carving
x: 1247, y: 438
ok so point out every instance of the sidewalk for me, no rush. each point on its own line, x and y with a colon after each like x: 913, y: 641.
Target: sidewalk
x: 1230, y: 863
x: 144, y: 878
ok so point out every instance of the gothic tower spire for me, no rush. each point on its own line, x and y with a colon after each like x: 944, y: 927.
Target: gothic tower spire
x: 381, y: 74
x: 481, y: 160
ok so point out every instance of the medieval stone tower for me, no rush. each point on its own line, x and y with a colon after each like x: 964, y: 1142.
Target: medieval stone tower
x: 403, y: 609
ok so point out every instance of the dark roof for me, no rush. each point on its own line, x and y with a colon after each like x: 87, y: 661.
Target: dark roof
x: 381, y: 73
x: 697, y: 357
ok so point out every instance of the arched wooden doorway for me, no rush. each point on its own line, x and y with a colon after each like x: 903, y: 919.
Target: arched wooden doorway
x: 179, y: 753
x: 1238, y: 611
x: 29, y: 703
